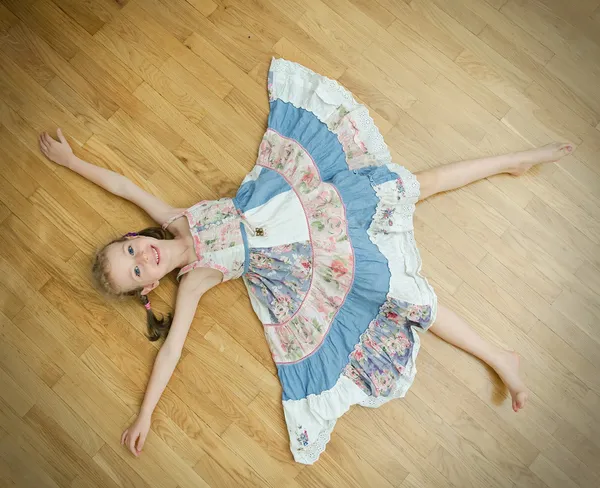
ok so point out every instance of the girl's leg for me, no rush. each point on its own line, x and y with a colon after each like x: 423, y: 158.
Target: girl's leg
x: 455, y: 175
x: 454, y: 330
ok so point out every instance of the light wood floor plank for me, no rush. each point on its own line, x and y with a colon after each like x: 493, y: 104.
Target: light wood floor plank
x: 172, y: 94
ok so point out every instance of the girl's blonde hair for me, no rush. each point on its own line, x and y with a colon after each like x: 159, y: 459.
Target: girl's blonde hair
x: 157, y: 327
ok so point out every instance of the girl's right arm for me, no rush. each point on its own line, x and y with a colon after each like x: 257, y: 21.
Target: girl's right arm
x: 61, y: 153
x: 188, y: 295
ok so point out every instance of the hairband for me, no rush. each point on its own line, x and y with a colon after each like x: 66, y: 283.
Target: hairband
x: 131, y: 234
x: 147, y: 305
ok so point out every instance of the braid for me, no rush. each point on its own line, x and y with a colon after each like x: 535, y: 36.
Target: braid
x: 157, y: 328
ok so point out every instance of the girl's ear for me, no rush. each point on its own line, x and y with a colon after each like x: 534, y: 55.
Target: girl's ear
x: 148, y: 288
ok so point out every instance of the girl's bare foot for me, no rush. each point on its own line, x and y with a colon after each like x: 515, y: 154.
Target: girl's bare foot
x: 507, y: 367
x: 545, y: 154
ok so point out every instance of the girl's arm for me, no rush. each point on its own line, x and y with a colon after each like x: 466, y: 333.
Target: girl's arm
x: 190, y: 291
x: 61, y: 153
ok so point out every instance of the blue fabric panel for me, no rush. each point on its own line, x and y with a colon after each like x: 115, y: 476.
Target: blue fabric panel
x: 246, y: 247
x: 377, y: 174
x: 257, y: 192
x: 321, y: 370
x: 315, y: 137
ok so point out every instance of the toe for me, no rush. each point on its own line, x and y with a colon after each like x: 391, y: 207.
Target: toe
x: 520, y: 400
x: 566, y: 148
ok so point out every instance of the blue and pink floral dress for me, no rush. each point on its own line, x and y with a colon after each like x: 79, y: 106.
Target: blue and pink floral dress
x: 321, y: 231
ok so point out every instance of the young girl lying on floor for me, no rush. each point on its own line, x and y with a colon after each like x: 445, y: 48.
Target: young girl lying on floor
x: 321, y: 232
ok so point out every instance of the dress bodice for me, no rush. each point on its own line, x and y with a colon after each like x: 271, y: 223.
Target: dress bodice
x: 218, y: 232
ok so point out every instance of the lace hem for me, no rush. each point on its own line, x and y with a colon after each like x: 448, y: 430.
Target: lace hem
x: 326, y: 407
x: 312, y: 454
x: 392, y: 231
x: 323, y: 96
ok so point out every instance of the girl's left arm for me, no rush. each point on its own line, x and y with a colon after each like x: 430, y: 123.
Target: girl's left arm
x: 188, y: 295
x: 61, y: 153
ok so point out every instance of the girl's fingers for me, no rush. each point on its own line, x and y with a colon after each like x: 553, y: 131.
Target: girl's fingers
x: 47, y: 139
x: 124, y: 436
x: 61, y: 138
x: 132, y: 440
x: 43, y: 146
x: 140, y: 443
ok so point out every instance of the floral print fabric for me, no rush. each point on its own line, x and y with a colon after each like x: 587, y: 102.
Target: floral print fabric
x: 332, y: 254
x: 386, y: 346
x: 307, y: 280
x: 279, y: 277
x: 357, y: 155
x: 218, y: 242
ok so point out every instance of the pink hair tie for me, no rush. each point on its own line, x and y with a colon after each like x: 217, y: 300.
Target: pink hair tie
x: 147, y: 305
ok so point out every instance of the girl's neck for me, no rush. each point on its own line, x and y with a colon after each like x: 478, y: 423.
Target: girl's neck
x: 181, y: 252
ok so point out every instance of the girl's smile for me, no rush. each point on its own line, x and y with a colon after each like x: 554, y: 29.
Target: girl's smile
x: 140, y: 262
x: 156, y: 254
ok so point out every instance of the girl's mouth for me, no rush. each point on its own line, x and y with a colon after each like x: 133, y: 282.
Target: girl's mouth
x: 156, y: 255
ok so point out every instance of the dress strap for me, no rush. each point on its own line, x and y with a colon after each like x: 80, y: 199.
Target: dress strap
x: 173, y: 219
x: 187, y: 268
x: 204, y: 264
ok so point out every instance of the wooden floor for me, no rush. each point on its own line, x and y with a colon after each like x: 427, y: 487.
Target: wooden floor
x: 172, y: 93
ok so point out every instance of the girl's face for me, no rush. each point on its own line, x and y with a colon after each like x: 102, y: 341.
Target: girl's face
x: 137, y: 262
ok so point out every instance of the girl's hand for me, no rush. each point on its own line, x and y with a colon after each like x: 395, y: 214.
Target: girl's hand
x: 135, y: 436
x: 58, y: 151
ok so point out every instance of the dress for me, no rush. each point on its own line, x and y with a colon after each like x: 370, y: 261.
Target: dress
x: 321, y: 232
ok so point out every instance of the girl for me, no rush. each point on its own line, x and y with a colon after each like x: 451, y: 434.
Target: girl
x: 321, y: 232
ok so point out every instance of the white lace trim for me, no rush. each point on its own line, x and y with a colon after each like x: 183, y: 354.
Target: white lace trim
x: 323, y: 96
x: 392, y: 231
x: 317, y: 414
x: 311, y: 454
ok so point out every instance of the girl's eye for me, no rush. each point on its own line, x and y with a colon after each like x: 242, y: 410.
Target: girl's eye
x: 130, y: 250
x: 136, y: 270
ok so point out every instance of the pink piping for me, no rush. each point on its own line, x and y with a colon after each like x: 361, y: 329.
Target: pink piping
x: 313, y: 253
